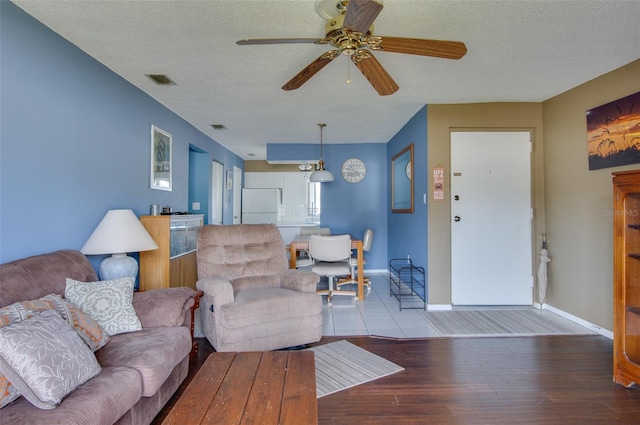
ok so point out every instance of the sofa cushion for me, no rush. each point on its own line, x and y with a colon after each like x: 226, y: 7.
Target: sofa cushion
x: 45, y: 359
x: 99, y: 401
x: 255, y: 306
x: 153, y: 352
x: 164, y: 307
x: 109, y: 302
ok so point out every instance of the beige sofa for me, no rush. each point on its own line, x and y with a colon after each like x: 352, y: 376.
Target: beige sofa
x: 252, y: 301
x: 140, y: 370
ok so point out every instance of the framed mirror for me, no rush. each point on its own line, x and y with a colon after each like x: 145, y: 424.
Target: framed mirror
x: 402, y: 181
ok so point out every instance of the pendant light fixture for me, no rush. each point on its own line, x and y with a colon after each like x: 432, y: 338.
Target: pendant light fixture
x: 322, y: 175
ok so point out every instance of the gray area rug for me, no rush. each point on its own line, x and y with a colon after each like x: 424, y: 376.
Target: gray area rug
x: 498, y: 323
x: 341, y: 365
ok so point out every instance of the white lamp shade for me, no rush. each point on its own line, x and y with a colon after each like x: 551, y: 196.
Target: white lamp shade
x: 321, y: 176
x: 120, y: 231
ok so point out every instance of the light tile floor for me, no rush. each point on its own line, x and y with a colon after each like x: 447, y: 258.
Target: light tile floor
x: 379, y: 315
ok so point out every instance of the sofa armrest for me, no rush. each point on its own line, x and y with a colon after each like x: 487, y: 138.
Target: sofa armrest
x: 220, y: 290
x: 300, y: 280
x: 164, y: 307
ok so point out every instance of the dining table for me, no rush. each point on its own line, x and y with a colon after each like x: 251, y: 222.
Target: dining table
x: 301, y: 243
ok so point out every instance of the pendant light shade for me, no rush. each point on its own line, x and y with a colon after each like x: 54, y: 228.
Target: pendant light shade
x: 322, y: 175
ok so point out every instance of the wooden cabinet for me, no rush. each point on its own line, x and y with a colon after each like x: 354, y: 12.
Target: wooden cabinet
x: 626, y: 269
x: 173, y: 264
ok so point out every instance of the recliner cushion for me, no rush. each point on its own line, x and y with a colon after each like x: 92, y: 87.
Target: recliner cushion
x: 255, y: 306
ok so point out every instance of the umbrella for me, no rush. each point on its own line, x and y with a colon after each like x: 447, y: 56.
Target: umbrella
x: 542, y: 274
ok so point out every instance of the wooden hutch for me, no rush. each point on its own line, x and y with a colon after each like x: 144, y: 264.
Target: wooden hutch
x: 626, y: 270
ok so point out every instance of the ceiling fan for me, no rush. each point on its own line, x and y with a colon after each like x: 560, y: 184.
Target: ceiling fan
x: 350, y: 32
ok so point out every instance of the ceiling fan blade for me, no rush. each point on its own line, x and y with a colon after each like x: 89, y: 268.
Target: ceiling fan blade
x: 375, y: 73
x: 418, y: 46
x: 361, y: 14
x: 277, y: 41
x: 310, y: 70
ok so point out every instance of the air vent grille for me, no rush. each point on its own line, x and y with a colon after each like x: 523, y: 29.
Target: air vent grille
x: 161, y: 79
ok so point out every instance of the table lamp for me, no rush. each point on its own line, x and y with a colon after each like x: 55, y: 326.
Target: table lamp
x: 119, y: 232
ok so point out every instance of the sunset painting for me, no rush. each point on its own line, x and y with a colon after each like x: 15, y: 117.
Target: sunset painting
x: 613, y: 133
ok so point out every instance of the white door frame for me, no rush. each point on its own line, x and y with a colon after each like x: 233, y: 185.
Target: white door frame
x: 217, y: 192
x: 237, y: 195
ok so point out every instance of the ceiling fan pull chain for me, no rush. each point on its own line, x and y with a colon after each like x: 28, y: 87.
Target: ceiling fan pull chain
x: 348, y: 73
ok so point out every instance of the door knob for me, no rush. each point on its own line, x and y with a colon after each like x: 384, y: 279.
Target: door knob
x: 456, y: 218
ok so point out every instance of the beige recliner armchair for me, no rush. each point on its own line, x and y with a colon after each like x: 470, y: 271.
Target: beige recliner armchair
x: 252, y: 301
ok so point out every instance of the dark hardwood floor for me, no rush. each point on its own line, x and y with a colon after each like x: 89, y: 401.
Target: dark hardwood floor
x: 498, y: 381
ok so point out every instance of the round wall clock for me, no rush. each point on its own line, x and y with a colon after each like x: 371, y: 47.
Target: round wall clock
x: 353, y: 170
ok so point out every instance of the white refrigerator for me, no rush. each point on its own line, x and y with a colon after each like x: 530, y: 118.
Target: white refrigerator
x: 261, y: 206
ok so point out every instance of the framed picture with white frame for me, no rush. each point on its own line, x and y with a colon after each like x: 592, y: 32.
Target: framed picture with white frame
x: 161, y: 142
x: 229, y: 180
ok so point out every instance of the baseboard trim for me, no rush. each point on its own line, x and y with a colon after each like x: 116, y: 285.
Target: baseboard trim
x: 376, y: 271
x: 576, y: 319
x: 439, y: 307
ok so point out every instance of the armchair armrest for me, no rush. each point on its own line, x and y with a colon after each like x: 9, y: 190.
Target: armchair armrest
x: 163, y: 307
x: 219, y: 289
x: 299, y: 280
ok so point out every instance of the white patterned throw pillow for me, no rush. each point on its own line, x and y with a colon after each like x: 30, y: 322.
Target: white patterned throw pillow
x: 109, y: 302
x: 45, y: 359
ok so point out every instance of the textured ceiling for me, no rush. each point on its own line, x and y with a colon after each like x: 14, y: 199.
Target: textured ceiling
x: 518, y: 51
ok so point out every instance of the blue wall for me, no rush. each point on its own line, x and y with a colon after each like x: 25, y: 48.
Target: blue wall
x: 75, y: 142
x: 408, y: 231
x: 352, y: 208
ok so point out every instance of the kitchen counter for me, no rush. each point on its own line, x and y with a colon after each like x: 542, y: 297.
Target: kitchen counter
x: 290, y: 229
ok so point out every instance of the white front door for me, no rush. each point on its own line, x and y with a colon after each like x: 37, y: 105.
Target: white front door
x: 491, y: 218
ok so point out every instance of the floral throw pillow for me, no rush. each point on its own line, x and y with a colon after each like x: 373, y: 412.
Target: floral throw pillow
x: 45, y: 359
x: 109, y: 302
x: 87, y: 328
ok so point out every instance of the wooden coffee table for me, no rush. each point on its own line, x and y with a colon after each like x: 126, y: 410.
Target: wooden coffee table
x: 272, y: 387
